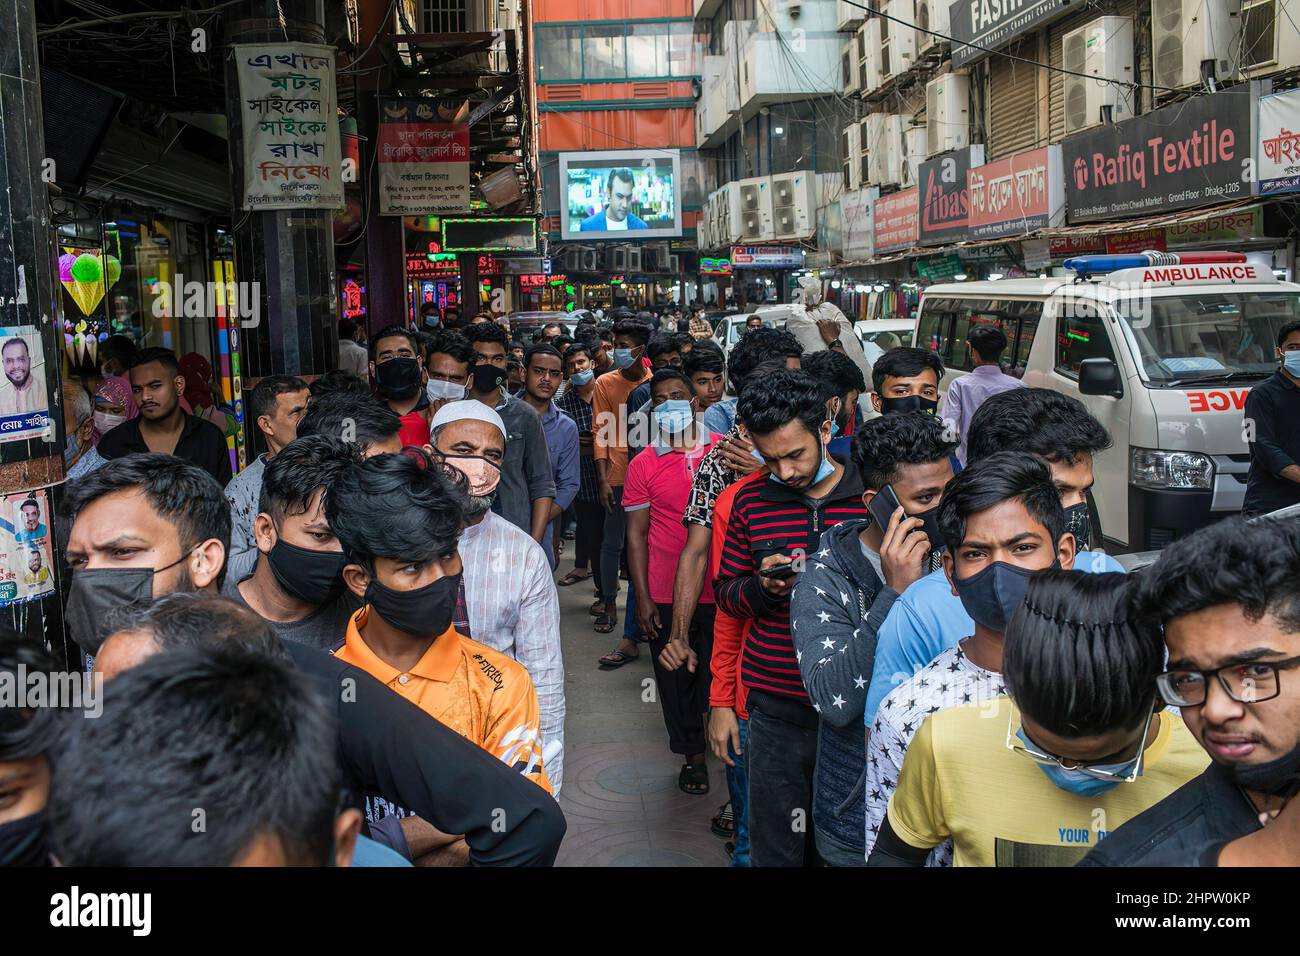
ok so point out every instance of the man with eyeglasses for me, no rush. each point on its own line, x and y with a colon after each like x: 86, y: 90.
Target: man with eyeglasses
x: 1228, y: 598
x: 1080, y: 745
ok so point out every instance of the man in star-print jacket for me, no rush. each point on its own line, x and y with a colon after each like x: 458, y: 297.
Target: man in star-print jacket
x: 842, y: 599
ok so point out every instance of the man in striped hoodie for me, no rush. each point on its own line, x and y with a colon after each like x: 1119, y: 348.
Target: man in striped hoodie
x: 775, y: 527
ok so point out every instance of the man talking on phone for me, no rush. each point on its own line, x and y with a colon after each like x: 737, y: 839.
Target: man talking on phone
x: 775, y: 528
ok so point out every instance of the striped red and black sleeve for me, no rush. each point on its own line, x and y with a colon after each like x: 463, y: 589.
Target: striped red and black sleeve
x: 737, y: 587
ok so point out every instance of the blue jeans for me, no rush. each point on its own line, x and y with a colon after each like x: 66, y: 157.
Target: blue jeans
x: 738, y: 787
x: 630, y: 627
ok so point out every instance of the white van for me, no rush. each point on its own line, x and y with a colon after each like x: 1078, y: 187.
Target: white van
x: 1162, y: 348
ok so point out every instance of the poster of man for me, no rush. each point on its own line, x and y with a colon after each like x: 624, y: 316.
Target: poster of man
x: 28, y: 522
x: 24, y: 404
x: 26, y: 567
x: 36, y: 577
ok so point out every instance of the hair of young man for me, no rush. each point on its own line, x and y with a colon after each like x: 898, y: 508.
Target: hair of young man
x: 985, y: 484
x: 302, y: 467
x: 660, y: 344
x: 883, y: 445
x: 347, y: 329
x: 346, y: 413
x: 164, y: 357
x: 987, y: 341
x: 836, y: 370
x: 179, y: 492
x: 563, y: 343
x: 671, y: 375
x: 776, y: 400
x: 701, y: 359
x: 578, y: 349
x: 1076, y: 659
x: 197, y: 619
x: 224, y: 728
x: 118, y: 347
x: 454, y: 344
x: 1286, y: 330
x: 393, y: 332
x: 262, y: 400
x: 1254, y: 564
x: 587, y: 336
x: 622, y: 173
x: 904, y: 362
x: 542, y: 349
x: 338, y: 380
x: 755, y: 347
x: 1041, y: 421
x: 487, y: 332
x: 404, y: 507
x: 639, y: 332
x: 26, y: 731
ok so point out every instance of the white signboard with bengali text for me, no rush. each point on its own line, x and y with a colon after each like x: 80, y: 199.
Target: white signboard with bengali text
x: 1279, y: 143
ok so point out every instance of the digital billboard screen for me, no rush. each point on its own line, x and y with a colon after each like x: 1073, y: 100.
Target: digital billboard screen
x: 632, y: 194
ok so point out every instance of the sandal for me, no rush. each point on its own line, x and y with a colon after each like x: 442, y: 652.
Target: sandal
x: 574, y: 576
x: 604, y: 624
x: 694, y: 779
x: 724, y: 824
x: 616, y: 658
x: 597, y: 608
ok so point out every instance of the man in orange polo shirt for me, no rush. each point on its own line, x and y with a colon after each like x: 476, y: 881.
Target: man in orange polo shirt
x: 399, y: 519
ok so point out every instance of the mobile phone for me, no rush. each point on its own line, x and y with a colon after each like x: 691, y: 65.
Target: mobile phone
x: 782, y: 572
x: 883, y: 506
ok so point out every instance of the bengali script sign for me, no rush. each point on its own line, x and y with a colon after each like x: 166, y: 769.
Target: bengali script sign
x: 1016, y: 195
x: 1279, y: 142
x: 423, y: 161
x: 895, y: 219
x: 290, y: 126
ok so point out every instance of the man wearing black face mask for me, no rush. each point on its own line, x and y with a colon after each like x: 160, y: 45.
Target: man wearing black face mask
x: 399, y: 379
x: 144, y: 525
x: 1228, y: 598
x: 906, y: 380
x: 297, y: 585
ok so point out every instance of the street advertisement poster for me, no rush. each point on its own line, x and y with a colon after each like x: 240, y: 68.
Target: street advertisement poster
x: 994, y: 23
x: 24, y: 403
x: 856, y: 210
x: 1279, y: 142
x: 26, y: 565
x: 1016, y: 195
x: 766, y: 257
x: 423, y: 158
x: 945, y: 195
x: 292, y: 157
x: 894, y: 220
x: 1194, y: 153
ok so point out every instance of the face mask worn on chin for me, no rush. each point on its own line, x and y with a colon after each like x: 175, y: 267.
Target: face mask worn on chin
x: 311, y: 576
x: 1077, y: 782
x: 70, y: 449
x: 580, y: 379
x: 909, y: 403
x: 1078, y: 523
x: 1291, y: 362
x: 423, y: 611
x: 23, y: 841
x: 97, y: 591
x: 398, y: 377
x: 823, y: 470
x: 1277, y: 778
x: 674, y: 416
x: 992, y: 595
x: 488, y: 378
x: 483, y: 475
x: 438, y: 390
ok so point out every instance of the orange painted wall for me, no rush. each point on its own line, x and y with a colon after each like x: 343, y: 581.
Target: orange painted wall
x: 576, y: 10
x: 616, y: 129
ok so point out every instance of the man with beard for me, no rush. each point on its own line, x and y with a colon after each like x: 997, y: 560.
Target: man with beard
x: 28, y: 392
x: 400, y: 380
x: 508, y: 600
x: 162, y: 426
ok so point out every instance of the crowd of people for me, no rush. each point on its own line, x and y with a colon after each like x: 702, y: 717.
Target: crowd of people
x: 895, y: 627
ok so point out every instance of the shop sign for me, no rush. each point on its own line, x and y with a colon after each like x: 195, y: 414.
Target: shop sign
x: 1143, y: 240
x: 1192, y: 153
x: 894, y: 218
x: 993, y: 23
x: 1279, y: 142
x: 423, y: 162
x: 939, y: 268
x: 1036, y: 254
x: 1016, y: 195
x: 1221, y: 227
x: 289, y: 126
x: 715, y: 267
x: 945, y: 212
x: 856, y: 223
x: 1063, y: 247
x: 766, y: 257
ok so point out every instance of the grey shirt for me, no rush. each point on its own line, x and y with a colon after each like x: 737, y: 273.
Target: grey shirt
x: 243, y: 493
x: 326, y: 627
x: 526, y: 474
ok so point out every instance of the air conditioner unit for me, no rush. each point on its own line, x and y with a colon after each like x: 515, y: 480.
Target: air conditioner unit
x: 1270, y: 38
x: 947, y: 113
x: 889, y: 154
x: 848, y: 15
x: 864, y: 151
x: 729, y: 213
x: 1184, y: 33
x: 675, y: 265
x: 571, y: 259
x: 878, y: 40
x: 590, y: 260
x: 914, y: 145
x: 852, y: 142
x: 869, y: 78
x: 849, y: 68
x: 1102, y: 48
x: 756, y: 208
x: 931, y: 15
x: 618, y: 259
x: 878, y: 130
x: 902, y: 35
x: 793, y: 202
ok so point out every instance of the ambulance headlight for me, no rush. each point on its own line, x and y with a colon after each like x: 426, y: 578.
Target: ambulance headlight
x: 1153, y: 468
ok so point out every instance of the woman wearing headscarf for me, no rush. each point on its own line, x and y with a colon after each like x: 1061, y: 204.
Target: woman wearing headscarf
x: 114, y: 404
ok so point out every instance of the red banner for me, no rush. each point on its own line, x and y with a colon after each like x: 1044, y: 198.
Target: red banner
x: 1013, y: 195
x: 895, y: 220
x: 1140, y: 241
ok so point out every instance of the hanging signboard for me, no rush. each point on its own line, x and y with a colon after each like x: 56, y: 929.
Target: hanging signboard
x: 1016, y: 195
x: 1221, y: 227
x: 856, y: 213
x: 994, y: 23
x: 894, y: 219
x: 290, y: 126
x: 766, y: 257
x: 423, y: 160
x: 1279, y: 142
x: 945, y: 196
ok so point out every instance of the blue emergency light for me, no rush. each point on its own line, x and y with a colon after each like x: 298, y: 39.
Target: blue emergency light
x: 1096, y: 265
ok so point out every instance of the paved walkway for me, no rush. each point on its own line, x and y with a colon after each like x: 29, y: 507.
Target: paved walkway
x: 620, y: 793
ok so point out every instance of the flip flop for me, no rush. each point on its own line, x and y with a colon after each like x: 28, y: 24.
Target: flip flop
x: 604, y: 624
x: 597, y: 608
x: 615, y: 658
x: 573, y: 577
x: 724, y: 824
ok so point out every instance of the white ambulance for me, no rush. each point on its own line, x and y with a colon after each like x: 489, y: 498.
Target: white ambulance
x: 1162, y: 348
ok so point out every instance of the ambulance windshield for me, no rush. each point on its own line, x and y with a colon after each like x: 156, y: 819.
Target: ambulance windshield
x: 1198, y: 337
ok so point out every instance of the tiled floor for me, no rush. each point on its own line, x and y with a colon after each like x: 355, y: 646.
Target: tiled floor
x: 620, y: 793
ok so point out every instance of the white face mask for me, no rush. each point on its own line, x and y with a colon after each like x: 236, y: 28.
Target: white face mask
x: 104, y: 422
x: 437, y: 390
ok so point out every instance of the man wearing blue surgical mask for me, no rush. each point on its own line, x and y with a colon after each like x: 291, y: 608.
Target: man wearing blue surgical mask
x: 1080, y: 745
x: 1273, y: 407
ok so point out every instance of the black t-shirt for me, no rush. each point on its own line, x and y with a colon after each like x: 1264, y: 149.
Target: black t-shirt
x: 201, y: 443
x: 1274, y: 407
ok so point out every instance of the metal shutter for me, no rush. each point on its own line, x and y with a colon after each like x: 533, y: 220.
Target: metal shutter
x: 1013, y: 101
